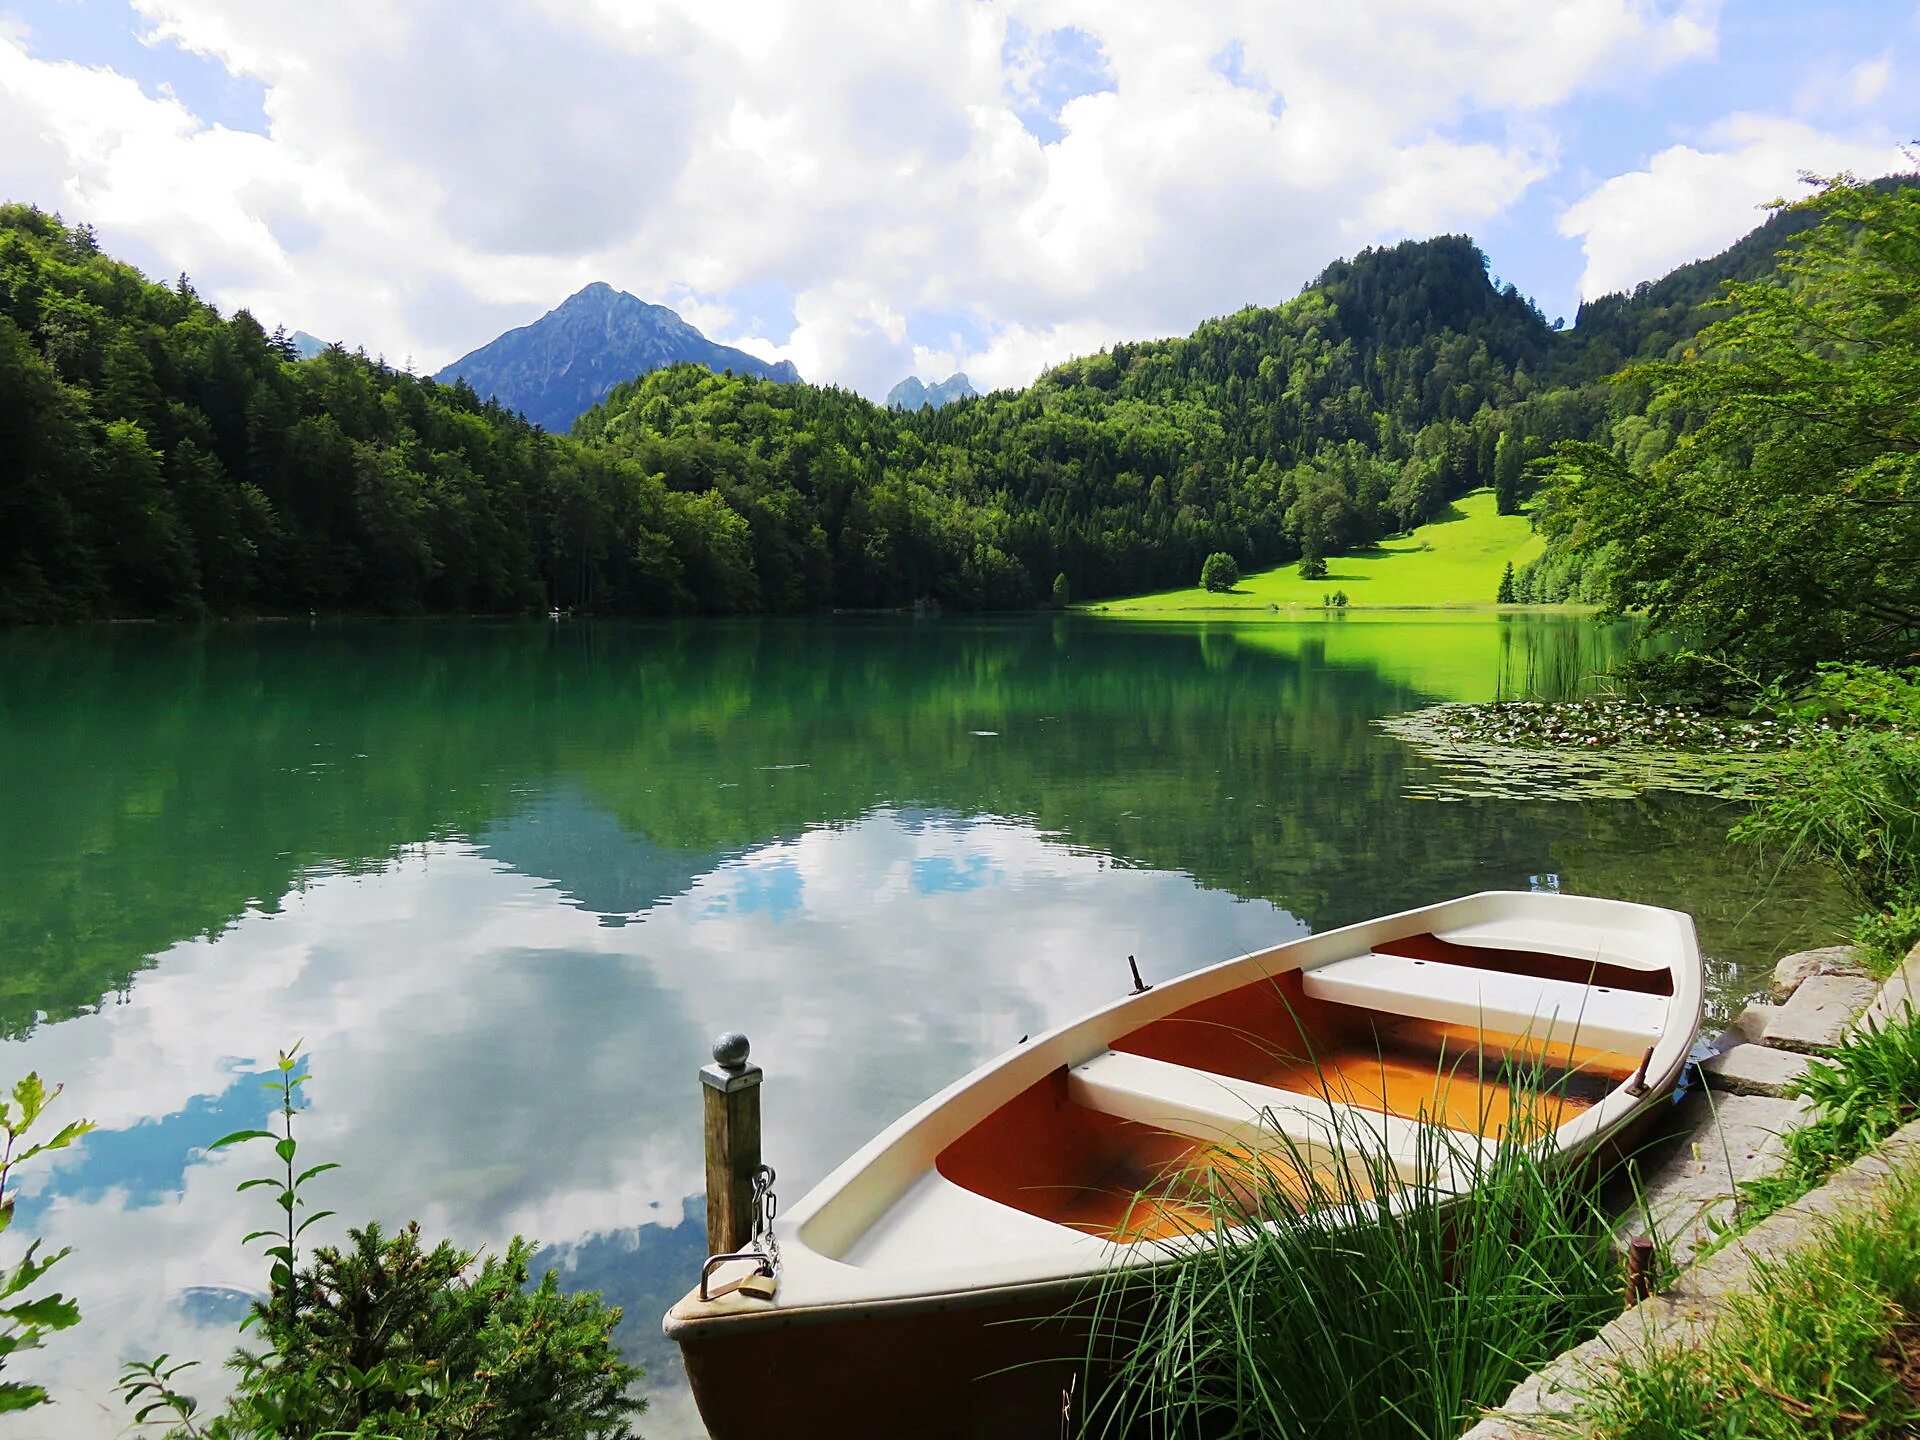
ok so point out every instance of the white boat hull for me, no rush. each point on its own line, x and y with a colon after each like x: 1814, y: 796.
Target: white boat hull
x: 900, y: 1271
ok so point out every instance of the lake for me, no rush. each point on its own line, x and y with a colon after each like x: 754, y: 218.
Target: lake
x: 506, y: 881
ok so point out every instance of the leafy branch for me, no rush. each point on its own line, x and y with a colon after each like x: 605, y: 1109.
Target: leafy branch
x: 24, y: 1321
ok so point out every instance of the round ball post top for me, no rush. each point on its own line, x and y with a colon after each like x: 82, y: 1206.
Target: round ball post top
x: 730, y: 1052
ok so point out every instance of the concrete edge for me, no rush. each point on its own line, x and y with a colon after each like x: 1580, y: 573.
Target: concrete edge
x: 1683, y: 1313
x: 1543, y: 1403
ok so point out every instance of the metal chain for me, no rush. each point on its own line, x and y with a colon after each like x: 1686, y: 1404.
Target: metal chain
x: 766, y: 1205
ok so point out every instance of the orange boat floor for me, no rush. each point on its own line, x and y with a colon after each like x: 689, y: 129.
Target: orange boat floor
x: 1156, y: 1184
x: 1045, y: 1155
x: 1451, y: 1075
x: 1115, y: 1178
x: 1271, y: 1033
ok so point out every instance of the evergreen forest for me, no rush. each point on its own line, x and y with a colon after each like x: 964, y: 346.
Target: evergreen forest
x: 164, y: 460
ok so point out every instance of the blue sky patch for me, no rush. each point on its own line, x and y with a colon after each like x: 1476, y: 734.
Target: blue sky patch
x: 771, y: 890
x: 1056, y: 66
x: 149, y: 1161
x: 105, y: 34
x: 938, y: 874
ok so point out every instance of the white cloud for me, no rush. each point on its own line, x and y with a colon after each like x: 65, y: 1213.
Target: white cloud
x: 1867, y: 81
x: 1691, y: 202
x: 432, y: 173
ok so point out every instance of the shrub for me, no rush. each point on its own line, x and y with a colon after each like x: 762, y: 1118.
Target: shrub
x: 1885, y: 938
x: 1851, y: 796
x: 393, y: 1338
x: 389, y: 1338
x: 1062, y: 592
x: 1867, y: 1090
x: 1684, y: 678
x: 1220, y: 573
x: 1312, y: 567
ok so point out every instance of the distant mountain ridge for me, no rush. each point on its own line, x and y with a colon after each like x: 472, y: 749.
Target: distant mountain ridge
x: 911, y: 394
x: 564, y: 363
x: 306, y: 346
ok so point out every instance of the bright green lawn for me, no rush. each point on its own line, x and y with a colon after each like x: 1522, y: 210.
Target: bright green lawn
x: 1456, y: 561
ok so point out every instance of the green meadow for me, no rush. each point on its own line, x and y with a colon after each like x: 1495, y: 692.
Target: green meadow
x: 1456, y: 560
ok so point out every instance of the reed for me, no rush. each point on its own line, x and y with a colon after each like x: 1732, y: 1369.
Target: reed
x: 1342, y: 1293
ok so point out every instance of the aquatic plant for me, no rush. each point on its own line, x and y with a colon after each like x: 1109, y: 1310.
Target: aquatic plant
x: 1609, y: 723
x: 1586, y: 750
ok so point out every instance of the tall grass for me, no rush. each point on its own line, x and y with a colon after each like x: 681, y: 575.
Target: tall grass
x: 1340, y: 1293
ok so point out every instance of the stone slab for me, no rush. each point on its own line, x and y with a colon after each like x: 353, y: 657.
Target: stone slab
x: 1755, y: 1070
x: 1689, y: 1190
x: 1794, y: 970
x: 1899, y: 998
x: 1821, y: 1012
x: 1751, y: 1023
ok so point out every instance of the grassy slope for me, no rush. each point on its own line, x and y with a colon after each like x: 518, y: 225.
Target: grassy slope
x: 1455, y: 561
x: 1826, y: 1346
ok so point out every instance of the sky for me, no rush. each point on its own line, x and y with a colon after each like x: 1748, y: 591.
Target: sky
x: 872, y: 188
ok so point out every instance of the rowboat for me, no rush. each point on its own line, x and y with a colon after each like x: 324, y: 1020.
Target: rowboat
x: 927, y: 1286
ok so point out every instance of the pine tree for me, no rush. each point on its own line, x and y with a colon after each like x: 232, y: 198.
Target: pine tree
x: 1506, y: 595
x: 1508, y: 470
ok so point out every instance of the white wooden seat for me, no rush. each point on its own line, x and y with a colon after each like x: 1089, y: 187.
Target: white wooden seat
x: 1238, y: 1112
x: 1548, y: 1011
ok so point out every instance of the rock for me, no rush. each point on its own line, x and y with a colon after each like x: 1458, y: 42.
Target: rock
x: 1792, y: 971
x: 1899, y: 998
x: 1821, y: 1012
x: 1751, y: 1023
x: 1755, y: 1070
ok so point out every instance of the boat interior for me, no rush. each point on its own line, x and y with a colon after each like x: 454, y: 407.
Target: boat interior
x: 1315, y: 1086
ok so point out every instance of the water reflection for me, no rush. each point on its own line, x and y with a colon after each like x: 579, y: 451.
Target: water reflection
x: 507, y: 881
x: 490, y: 1062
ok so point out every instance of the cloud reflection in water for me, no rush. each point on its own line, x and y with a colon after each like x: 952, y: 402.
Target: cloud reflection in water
x: 490, y: 1058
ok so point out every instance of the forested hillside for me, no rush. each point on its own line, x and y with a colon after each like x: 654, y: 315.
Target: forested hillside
x: 161, y: 459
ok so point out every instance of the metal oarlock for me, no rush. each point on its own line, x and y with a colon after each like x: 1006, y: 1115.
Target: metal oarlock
x: 1637, y: 1086
x: 1140, y: 987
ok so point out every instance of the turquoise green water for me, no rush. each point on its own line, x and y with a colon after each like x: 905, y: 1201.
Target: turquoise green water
x: 506, y: 882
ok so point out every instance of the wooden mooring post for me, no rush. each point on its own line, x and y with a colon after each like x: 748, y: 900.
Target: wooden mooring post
x: 1640, y: 1257
x: 730, y: 1087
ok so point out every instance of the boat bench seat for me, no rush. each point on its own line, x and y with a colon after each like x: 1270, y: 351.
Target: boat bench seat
x: 1239, y: 1113
x: 1548, y: 1011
